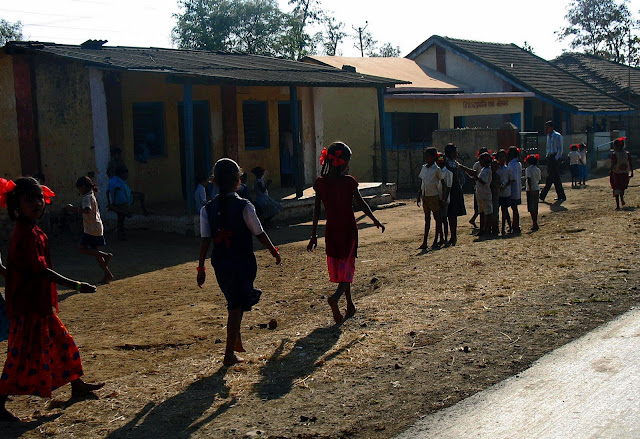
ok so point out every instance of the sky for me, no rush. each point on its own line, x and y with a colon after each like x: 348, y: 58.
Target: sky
x: 403, y: 23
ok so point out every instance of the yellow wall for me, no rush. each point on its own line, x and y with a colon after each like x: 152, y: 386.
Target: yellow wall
x: 161, y: 177
x: 64, y: 125
x: 351, y: 115
x: 10, y: 166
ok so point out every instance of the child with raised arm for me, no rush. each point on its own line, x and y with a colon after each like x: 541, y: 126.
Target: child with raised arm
x: 619, y: 174
x: 430, y: 195
x: 533, y: 175
x: 230, y: 222
x: 93, y: 236
x: 337, y: 191
x: 42, y: 356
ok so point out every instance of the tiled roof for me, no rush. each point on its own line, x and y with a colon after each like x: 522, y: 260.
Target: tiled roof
x: 212, y: 67
x: 531, y: 73
x: 606, y: 75
x: 421, y: 77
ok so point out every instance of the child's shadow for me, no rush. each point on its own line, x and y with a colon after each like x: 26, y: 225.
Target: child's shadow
x: 18, y: 429
x: 557, y: 207
x: 281, y: 373
x: 178, y: 416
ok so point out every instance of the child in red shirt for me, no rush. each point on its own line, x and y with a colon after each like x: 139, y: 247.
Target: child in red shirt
x: 337, y: 191
x: 41, y: 355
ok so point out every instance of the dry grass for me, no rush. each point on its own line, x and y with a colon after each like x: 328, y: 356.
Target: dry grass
x: 431, y: 329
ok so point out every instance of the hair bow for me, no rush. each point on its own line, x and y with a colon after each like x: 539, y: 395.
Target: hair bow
x: 48, y: 194
x: 323, y: 156
x: 336, y: 161
x: 6, y: 186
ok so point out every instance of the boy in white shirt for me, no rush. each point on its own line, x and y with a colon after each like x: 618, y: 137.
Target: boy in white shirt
x: 506, y: 178
x: 430, y: 195
x: 483, y: 193
x: 574, y: 165
x: 533, y: 175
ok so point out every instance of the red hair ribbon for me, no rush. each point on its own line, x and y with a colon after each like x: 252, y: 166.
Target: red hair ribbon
x: 336, y: 161
x: 48, y: 194
x: 622, y: 139
x: 323, y: 156
x: 6, y: 186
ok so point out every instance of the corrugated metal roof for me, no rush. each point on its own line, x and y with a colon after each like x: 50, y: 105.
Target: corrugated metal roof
x: 421, y: 77
x: 531, y: 73
x: 205, y: 66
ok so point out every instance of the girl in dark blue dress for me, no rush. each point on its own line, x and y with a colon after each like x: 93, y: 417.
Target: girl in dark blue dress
x: 230, y: 222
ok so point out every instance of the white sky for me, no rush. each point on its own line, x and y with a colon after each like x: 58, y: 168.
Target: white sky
x: 404, y: 23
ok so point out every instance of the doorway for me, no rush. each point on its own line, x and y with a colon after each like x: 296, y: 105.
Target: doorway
x: 201, y: 144
x: 285, y: 130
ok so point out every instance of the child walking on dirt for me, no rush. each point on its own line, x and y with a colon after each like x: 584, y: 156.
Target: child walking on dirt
x: 619, y: 175
x: 337, y: 191
x: 231, y: 223
x: 533, y: 175
x: 574, y: 165
x: 42, y: 356
x: 584, y: 168
x: 93, y: 236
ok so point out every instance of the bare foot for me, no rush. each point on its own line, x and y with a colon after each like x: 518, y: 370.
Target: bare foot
x: 351, y: 311
x: 7, y: 416
x: 230, y: 361
x: 424, y: 246
x: 335, y: 310
x: 80, y: 388
x: 238, y: 347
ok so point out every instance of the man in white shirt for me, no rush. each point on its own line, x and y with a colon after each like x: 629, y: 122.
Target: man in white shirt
x: 430, y: 194
x: 554, y: 154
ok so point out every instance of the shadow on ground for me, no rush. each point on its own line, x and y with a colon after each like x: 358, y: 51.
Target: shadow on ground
x: 181, y: 415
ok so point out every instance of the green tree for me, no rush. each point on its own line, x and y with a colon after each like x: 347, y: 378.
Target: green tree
x: 305, y: 13
x: 528, y: 47
x: 10, y: 31
x: 387, y: 51
x: 333, y: 34
x: 599, y: 27
x: 251, y: 26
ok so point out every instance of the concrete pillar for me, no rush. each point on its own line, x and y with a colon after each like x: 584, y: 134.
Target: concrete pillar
x: 383, y: 137
x: 188, y: 146
x: 318, y: 96
x: 100, y: 133
x: 295, y: 129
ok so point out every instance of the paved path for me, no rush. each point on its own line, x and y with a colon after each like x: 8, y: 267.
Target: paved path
x: 589, y: 388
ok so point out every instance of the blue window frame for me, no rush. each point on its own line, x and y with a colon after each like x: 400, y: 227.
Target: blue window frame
x: 148, y: 130
x: 255, y: 120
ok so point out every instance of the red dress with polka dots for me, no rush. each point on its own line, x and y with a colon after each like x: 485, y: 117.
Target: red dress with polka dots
x: 41, y: 354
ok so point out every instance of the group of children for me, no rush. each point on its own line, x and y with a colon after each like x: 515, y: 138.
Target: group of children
x: 42, y: 355
x: 498, y: 189
x: 578, y: 164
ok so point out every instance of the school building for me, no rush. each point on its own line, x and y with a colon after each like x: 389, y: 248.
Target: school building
x: 173, y: 112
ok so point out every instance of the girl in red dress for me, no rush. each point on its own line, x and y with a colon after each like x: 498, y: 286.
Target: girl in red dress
x: 337, y: 191
x: 41, y: 355
x: 620, y: 167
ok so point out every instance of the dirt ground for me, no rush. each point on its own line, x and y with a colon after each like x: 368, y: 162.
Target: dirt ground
x: 431, y: 328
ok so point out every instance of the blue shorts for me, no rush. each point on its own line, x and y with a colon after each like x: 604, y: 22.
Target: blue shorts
x: 504, y: 201
x: 91, y: 241
x: 515, y: 202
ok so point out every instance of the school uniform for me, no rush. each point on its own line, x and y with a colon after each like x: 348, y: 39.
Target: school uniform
x: 516, y: 185
x: 505, y: 186
x: 93, y: 235
x: 447, y: 176
x: 431, y: 182
x: 574, y: 164
x: 483, y: 191
x: 533, y: 176
x: 619, y: 177
x: 231, y: 223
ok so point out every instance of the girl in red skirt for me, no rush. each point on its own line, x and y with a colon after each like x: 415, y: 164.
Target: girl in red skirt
x: 619, y: 174
x: 337, y: 191
x: 41, y: 355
